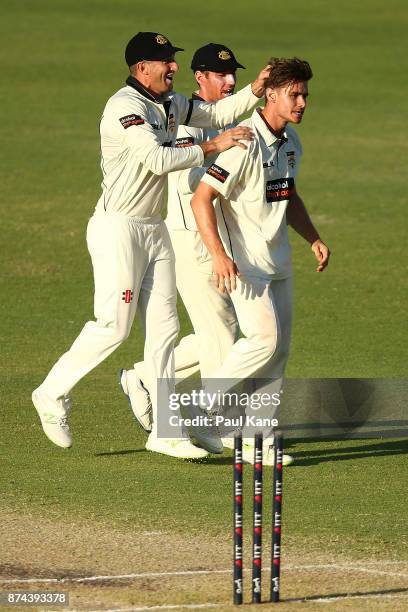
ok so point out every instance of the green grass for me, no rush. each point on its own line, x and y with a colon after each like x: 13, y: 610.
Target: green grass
x: 336, y: 492
x: 61, y: 60
x: 348, y: 321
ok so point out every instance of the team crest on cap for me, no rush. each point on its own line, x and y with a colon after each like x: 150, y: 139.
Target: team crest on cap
x: 224, y: 55
x: 162, y: 40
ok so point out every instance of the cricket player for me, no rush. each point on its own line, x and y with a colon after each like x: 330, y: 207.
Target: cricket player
x: 129, y: 244
x: 211, y: 312
x: 249, y: 246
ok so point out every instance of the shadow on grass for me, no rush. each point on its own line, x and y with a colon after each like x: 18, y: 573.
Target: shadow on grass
x: 378, y: 449
x: 335, y: 596
x: 303, y: 458
x: 220, y: 460
x: 212, y: 460
x: 206, y: 461
x: 130, y: 451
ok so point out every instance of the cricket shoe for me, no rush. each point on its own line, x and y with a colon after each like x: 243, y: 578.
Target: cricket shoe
x: 268, y: 454
x: 53, y: 415
x: 206, y: 439
x: 180, y: 448
x: 204, y: 432
x: 138, y: 398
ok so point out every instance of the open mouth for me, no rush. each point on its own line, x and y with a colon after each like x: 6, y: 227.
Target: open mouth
x: 228, y: 92
x: 169, y: 78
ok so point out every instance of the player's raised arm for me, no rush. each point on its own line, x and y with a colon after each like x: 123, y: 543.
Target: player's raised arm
x: 224, y: 268
x: 225, y: 111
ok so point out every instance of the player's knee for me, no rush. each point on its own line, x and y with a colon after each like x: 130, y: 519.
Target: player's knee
x: 120, y: 332
x: 268, y: 343
x: 114, y: 331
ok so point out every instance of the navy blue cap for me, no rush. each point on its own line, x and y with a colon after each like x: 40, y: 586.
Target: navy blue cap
x: 215, y: 58
x: 149, y: 46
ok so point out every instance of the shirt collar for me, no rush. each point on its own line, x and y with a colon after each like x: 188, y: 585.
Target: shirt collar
x: 132, y: 82
x: 195, y: 96
x: 265, y: 131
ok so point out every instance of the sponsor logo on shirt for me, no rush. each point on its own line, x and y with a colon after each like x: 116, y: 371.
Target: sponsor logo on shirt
x: 291, y: 158
x: 279, y: 189
x: 268, y: 164
x: 130, y: 120
x: 187, y: 141
x: 156, y: 126
x: 218, y: 173
x: 168, y: 143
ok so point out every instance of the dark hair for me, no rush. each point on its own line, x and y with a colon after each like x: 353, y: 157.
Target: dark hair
x: 285, y: 71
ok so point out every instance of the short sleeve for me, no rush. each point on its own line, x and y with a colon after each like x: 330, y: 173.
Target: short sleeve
x: 229, y: 169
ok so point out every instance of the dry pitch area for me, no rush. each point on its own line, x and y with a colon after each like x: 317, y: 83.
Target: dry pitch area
x: 104, y: 569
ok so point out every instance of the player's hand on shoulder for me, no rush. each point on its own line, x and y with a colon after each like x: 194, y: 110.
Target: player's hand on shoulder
x: 232, y: 137
x: 225, y: 272
x: 322, y: 254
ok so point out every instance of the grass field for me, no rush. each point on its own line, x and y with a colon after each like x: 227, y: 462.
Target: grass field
x: 90, y: 510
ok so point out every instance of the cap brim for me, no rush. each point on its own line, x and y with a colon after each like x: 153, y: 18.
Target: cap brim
x: 217, y: 67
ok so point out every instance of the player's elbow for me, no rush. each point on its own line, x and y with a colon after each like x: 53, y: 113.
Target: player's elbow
x: 156, y: 169
x: 198, y: 205
x: 194, y: 202
x: 203, y: 196
x: 155, y: 161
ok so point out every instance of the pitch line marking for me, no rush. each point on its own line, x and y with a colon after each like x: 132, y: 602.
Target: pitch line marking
x: 328, y: 566
x: 347, y: 567
x: 117, y: 577
x: 340, y: 598
x: 384, y: 562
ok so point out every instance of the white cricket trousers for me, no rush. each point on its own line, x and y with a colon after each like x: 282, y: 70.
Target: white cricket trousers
x: 264, y: 311
x: 211, y: 312
x: 133, y: 264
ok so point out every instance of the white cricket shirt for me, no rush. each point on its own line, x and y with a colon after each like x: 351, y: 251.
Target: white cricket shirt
x: 255, y: 186
x: 137, y: 144
x: 183, y: 183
